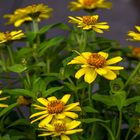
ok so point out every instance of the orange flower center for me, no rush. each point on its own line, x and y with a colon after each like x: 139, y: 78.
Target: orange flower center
x: 55, y: 106
x: 60, y: 127
x: 96, y: 60
x: 88, y: 3
x: 89, y: 20
x: 136, y: 50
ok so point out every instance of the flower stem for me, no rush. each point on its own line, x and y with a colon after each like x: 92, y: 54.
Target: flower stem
x: 133, y: 138
x: 10, y: 54
x: 119, y: 126
x: 90, y: 95
x: 3, y: 59
x: 109, y: 131
x: 132, y: 75
x: 128, y: 132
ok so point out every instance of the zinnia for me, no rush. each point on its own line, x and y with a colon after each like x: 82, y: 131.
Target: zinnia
x: 27, y: 14
x: 55, y: 108
x: 96, y: 63
x: 89, y: 23
x: 89, y: 4
x: 135, y: 36
x: 61, y: 128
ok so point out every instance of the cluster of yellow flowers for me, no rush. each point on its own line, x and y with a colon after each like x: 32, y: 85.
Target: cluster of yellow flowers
x: 27, y: 14
x: 56, y: 117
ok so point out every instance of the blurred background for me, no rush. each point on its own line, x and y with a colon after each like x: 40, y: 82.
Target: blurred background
x: 123, y: 16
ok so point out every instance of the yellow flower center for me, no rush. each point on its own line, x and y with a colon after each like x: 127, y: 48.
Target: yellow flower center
x: 60, y: 127
x: 88, y: 3
x: 55, y: 106
x: 96, y: 60
x: 89, y: 20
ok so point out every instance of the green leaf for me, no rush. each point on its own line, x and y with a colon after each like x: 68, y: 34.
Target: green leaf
x: 119, y: 99
x: 19, y: 122
x: 5, y: 137
x: 18, y: 68
x: 30, y: 36
x: 50, y: 91
x: 23, y: 92
x: 7, y: 109
x: 48, y: 27
x: 132, y: 100
x: 104, y: 99
x: 89, y: 109
x: 91, y: 120
x: 50, y: 43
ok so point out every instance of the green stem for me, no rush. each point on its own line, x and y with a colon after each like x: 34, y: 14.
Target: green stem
x: 10, y: 54
x: 109, y: 131
x: 119, y: 126
x: 48, y: 65
x: 35, y: 27
x: 134, y: 136
x: 92, y: 131
x: 90, y: 95
x: 3, y: 59
x: 45, y: 138
x: 28, y: 78
x: 132, y: 75
x: 128, y: 132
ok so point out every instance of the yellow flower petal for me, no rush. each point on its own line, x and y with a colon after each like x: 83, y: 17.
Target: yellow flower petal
x: 80, y: 72
x: 114, y: 67
x: 71, y: 106
x: 42, y: 101
x: 113, y: 60
x: 64, y: 137
x: 77, y: 108
x: 45, y: 121
x: 65, y: 98
x: 90, y: 75
x: 60, y: 116
x: 3, y: 98
x: 71, y: 115
x: 104, y: 54
x: 78, y: 60
x: 110, y: 75
x: 50, y: 127
x: 45, y: 134
x: 52, y: 98
x: 3, y: 105
x: 73, y: 124
x: 73, y: 131
x: 38, y: 107
x: 138, y: 28
x: 38, y: 113
x: 97, y: 30
x: 39, y: 118
x: 101, y: 71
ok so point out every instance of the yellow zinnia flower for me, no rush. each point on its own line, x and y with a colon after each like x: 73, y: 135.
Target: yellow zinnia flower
x: 2, y: 99
x: 55, y: 108
x: 10, y: 36
x: 27, y: 14
x: 96, y: 63
x: 89, y: 4
x: 89, y: 23
x: 61, y: 128
x: 135, y: 36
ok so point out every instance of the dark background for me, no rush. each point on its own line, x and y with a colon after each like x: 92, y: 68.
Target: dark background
x: 123, y: 16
